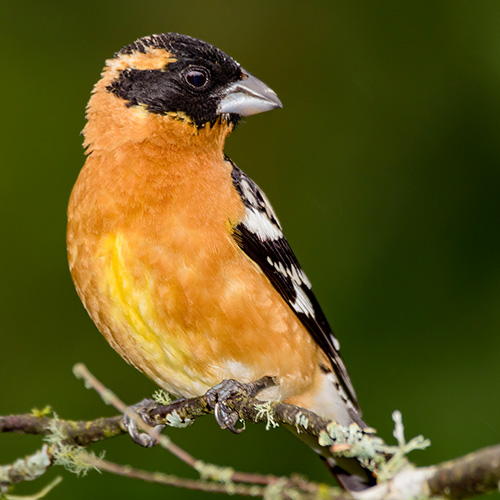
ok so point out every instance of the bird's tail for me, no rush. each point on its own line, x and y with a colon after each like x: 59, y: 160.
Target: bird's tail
x: 348, y: 472
x: 329, y: 401
x: 354, y: 477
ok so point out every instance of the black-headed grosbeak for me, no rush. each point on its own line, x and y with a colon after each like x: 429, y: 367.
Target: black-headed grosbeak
x: 176, y: 253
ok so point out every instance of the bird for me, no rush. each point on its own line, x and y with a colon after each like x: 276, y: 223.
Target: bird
x: 177, y: 255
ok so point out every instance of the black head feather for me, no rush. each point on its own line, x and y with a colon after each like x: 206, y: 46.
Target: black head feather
x: 168, y: 89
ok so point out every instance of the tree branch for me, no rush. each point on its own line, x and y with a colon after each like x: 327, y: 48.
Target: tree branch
x: 80, y: 432
x: 468, y: 476
x: 458, y: 479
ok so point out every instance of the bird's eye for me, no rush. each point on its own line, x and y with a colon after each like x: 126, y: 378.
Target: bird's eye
x: 196, y: 78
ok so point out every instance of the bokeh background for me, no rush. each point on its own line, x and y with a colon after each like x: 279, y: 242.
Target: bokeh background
x: 384, y: 168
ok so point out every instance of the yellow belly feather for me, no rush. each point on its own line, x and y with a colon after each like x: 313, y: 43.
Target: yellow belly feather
x: 133, y: 321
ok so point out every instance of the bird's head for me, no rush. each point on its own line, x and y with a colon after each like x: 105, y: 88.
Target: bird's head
x: 175, y: 84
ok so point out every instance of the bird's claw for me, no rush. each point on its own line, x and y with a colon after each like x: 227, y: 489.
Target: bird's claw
x: 217, y: 398
x: 227, y: 418
x: 138, y: 436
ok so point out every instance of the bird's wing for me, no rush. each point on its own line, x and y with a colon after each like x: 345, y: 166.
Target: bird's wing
x: 260, y: 236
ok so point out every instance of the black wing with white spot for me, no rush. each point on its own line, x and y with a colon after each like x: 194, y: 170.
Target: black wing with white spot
x: 260, y: 236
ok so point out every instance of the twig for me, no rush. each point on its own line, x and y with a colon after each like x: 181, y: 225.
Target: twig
x: 81, y: 432
x: 81, y: 371
x: 305, y: 489
x: 28, y: 468
x: 37, y: 496
x: 199, y: 407
x: 169, y: 480
x: 468, y: 476
x: 458, y: 479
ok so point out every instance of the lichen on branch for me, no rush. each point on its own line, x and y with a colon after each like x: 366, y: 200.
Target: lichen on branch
x: 67, y: 440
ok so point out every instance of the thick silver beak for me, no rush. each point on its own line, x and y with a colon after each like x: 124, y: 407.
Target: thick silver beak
x: 248, y: 96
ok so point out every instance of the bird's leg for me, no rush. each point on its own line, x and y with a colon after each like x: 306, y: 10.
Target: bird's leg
x: 142, y: 409
x: 218, y: 398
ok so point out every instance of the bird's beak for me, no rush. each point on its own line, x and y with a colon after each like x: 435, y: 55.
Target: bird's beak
x: 248, y: 96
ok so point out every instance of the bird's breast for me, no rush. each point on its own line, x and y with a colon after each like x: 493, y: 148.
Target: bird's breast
x: 155, y: 264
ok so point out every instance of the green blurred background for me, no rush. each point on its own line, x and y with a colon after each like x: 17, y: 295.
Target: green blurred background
x: 384, y: 168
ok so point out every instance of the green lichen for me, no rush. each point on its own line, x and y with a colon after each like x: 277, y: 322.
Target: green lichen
x: 162, y: 397
x: 276, y: 490
x: 352, y: 441
x: 265, y: 410
x: 28, y: 468
x: 371, y: 451
x: 398, y: 459
x: 175, y: 420
x: 109, y: 432
x: 301, y: 422
x: 324, y: 439
x: 210, y: 472
x: 72, y: 457
x: 57, y: 431
x: 36, y: 412
x: 75, y: 459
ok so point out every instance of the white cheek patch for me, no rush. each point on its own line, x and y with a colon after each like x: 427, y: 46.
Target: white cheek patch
x: 259, y: 224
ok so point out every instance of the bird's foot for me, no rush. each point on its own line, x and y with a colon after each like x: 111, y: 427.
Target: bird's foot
x: 218, y: 398
x: 140, y: 437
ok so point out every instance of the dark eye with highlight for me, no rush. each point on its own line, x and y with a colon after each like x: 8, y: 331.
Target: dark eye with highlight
x: 196, y: 78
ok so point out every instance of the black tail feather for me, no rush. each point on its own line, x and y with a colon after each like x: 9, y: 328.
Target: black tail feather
x: 358, y: 479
